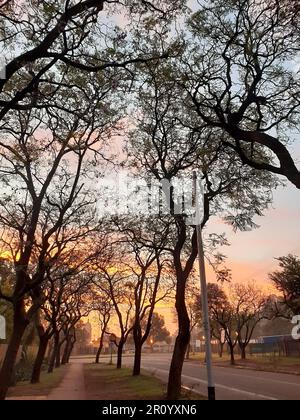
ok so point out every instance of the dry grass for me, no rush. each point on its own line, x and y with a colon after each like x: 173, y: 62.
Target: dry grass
x: 105, y: 382
x: 268, y: 362
x: 48, y: 382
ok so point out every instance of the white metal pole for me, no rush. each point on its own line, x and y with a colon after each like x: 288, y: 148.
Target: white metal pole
x: 204, y: 297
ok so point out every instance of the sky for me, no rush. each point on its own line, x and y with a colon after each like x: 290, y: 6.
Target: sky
x: 251, y: 255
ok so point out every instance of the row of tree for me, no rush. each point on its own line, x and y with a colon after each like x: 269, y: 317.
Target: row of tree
x: 236, y: 310
x: 235, y: 314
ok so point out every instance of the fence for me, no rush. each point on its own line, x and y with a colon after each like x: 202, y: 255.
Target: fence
x: 285, y: 347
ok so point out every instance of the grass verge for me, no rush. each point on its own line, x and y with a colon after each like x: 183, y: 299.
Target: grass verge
x: 267, y: 363
x: 104, y: 382
x: 48, y: 382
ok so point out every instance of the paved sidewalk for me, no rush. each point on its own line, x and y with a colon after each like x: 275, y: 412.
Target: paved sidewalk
x: 72, y: 386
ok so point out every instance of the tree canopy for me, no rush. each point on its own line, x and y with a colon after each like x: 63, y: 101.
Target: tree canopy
x: 287, y: 282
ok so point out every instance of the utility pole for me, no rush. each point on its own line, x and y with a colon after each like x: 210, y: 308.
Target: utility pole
x: 204, y: 298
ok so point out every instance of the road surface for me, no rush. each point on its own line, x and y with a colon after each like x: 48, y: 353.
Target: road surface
x: 231, y: 383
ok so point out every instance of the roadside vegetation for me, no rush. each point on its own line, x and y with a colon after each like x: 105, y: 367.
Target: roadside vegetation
x: 42, y: 389
x: 268, y: 362
x: 104, y: 382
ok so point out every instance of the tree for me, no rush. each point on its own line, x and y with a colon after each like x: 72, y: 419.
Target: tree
x: 241, y: 79
x: 150, y: 274
x: 158, y: 331
x: 57, y: 33
x: 220, y: 315
x: 165, y: 146
x: 83, y: 336
x: 130, y: 269
x: 217, y: 303
x: 64, y: 276
x: 148, y: 292
x: 275, y: 326
x: 44, y: 206
x: 103, y: 306
x: 6, y: 280
x: 48, y: 107
x: 235, y: 315
x: 75, y: 306
x: 224, y: 321
x: 113, y: 281
x: 287, y: 282
x: 250, y: 307
x: 193, y: 307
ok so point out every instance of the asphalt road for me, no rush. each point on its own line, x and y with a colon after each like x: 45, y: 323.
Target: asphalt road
x: 231, y: 383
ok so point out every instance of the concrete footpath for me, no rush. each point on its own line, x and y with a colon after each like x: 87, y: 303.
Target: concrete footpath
x: 72, y: 386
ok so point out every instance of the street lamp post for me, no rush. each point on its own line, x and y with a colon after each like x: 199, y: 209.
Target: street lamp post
x: 204, y: 298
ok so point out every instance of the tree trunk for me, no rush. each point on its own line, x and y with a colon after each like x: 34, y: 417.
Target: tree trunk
x: 36, y: 371
x: 232, y: 359
x: 71, y: 346
x: 57, y: 356
x: 120, y: 354
x: 138, y: 344
x: 99, y: 353
x: 137, y: 359
x: 187, y: 356
x: 182, y: 341
x: 53, y: 355
x: 70, y: 351
x: 19, y: 326
x: 64, y: 359
x: 65, y: 354
x: 100, y: 345
x: 73, y: 341
x: 243, y: 352
x: 221, y: 350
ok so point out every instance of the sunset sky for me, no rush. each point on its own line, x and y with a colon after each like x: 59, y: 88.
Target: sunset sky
x: 251, y: 254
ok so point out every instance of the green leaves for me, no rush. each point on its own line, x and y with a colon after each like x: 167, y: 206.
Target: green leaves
x: 287, y: 282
